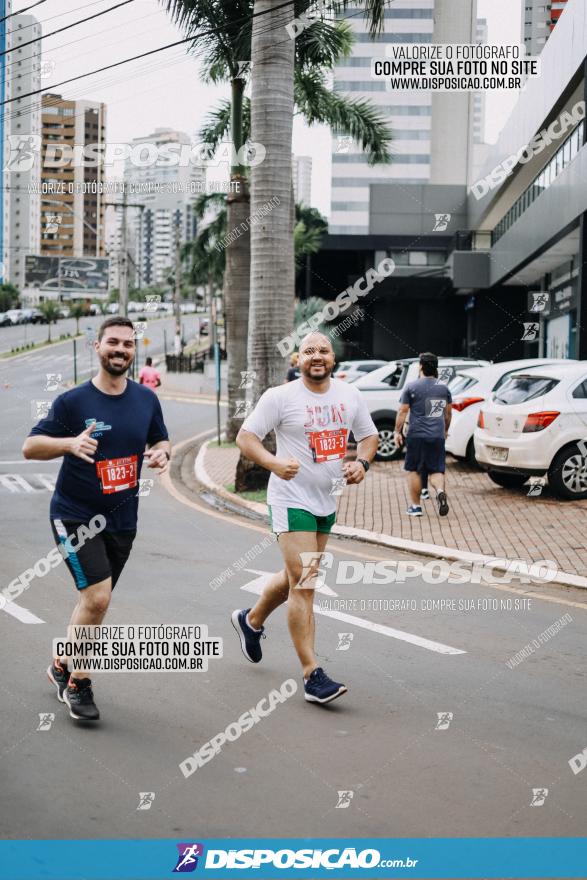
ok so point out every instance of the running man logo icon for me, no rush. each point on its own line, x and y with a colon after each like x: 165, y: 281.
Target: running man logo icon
x: 344, y: 144
x: 53, y: 222
x: 46, y: 719
x: 445, y: 374
x: 444, y: 719
x: 242, y: 408
x: 152, y: 302
x: 47, y: 68
x: 145, y: 487
x: 139, y: 328
x: 344, y: 641
x: 536, y: 487
x: 40, y: 409
x: 344, y: 799
x: 539, y: 795
x: 436, y: 407
x: 23, y: 150
x: 146, y: 799
x: 338, y: 484
x: 538, y: 301
x: 53, y: 382
x: 531, y: 331
x: 441, y: 222
x: 247, y: 378
x: 187, y: 861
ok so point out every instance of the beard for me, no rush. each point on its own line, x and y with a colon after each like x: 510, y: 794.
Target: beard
x: 316, y: 371
x: 116, y: 369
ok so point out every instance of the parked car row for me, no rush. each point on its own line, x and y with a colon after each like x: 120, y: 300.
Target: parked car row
x: 21, y: 316
x: 382, y: 389
x: 515, y: 420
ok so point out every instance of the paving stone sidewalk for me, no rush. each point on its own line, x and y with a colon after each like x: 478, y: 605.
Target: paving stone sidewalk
x: 484, y: 518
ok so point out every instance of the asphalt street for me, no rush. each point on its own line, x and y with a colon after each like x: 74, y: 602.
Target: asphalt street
x: 23, y: 334
x: 437, y: 736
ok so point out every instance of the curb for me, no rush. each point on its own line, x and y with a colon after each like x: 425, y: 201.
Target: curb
x: 434, y: 550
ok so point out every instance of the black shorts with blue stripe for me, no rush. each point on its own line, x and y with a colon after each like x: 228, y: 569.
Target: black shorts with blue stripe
x: 93, y: 557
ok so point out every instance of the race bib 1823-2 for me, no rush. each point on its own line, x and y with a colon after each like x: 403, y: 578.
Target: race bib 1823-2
x: 117, y: 474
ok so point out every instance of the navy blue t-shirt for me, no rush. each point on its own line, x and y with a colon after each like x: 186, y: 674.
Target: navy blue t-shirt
x: 427, y: 399
x: 125, y: 424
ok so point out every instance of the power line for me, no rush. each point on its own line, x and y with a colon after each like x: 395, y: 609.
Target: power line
x: 67, y: 27
x: 189, y: 39
x: 20, y: 11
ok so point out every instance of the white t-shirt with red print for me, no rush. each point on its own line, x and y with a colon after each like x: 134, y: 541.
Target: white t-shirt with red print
x: 314, y: 429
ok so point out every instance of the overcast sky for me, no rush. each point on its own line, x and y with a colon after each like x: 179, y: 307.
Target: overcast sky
x: 165, y: 91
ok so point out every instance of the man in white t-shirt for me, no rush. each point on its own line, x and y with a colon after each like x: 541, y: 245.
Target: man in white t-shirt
x: 312, y: 418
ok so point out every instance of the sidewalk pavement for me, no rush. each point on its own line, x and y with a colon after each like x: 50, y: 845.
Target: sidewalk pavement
x: 190, y: 385
x: 484, y: 519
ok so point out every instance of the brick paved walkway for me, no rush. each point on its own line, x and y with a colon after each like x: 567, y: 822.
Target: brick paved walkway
x: 484, y: 518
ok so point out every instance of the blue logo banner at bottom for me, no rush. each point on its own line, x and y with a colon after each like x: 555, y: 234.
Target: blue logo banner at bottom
x: 417, y: 858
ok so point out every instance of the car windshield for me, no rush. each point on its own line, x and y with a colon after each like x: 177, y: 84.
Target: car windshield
x: 460, y: 382
x: 524, y: 387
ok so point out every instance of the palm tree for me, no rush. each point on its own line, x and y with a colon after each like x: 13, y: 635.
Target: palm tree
x: 78, y: 310
x: 225, y: 54
x: 273, y: 77
x: 50, y: 312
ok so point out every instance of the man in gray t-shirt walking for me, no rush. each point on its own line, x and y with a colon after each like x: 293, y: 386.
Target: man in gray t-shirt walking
x: 428, y: 402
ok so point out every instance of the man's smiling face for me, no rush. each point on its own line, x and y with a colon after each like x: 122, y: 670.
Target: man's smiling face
x: 316, y: 357
x: 116, y: 349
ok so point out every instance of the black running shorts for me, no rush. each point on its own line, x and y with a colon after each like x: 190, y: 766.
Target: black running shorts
x: 95, y: 558
x: 425, y: 456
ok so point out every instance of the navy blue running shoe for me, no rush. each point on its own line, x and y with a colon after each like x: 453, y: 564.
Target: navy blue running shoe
x: 58, y: 674
x: 321, y: 689
x: 250, y: 638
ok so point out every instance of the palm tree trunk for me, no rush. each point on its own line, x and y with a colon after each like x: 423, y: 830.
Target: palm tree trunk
x: 272, y: 253
x: 237, y: 273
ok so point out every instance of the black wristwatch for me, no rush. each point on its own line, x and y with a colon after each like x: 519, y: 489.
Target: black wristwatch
x: 168, y: 455
x: 365, y: 463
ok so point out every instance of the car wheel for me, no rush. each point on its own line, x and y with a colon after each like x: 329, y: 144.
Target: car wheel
x: 470, y: 454
x: 568, y: 473
x: 387, y: 449
x: 508, y: 481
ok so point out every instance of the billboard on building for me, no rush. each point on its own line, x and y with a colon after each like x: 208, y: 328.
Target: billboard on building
x: 69, y: 276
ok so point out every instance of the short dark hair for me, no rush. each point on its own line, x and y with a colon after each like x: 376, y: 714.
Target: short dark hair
x: 148, y: 361
x: 429, y: 363
x: 114, y: 321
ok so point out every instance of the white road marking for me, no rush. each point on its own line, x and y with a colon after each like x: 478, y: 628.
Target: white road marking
x: 257, y: 584
x: 15, y: 483
x: 47, y: 481
x: 22, y: 614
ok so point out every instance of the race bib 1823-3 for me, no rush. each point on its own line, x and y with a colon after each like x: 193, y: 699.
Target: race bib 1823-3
x: 328, y: 445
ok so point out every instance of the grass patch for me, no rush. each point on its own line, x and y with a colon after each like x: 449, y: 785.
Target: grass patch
x: 260, y: 495
x: 34, y: 346
x: 224, y: 444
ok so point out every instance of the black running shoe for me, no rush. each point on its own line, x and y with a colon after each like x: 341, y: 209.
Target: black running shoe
x: 442, y: 503
x: 321, y: 689
x: 58, y: 674
x: 80, y: 698
x: 250, y: 638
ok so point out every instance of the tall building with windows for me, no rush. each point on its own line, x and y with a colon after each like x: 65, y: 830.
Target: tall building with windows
x: 539, y: 18
x: 302, y: 179
x: 72, y: 199
x: 24, y: 123
x: 5, y: 11
x: 167, y: 190
x: 431, y: 133
x: 479, y: 97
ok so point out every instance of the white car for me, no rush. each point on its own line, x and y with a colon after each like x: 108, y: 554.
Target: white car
x: 383, y: 388
x: 536, y: 425
x: 351, y: 370
x: 472, y: 387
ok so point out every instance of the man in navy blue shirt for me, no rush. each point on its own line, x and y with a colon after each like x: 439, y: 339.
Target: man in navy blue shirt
x: 104, y: 430
x: 429, y: 404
